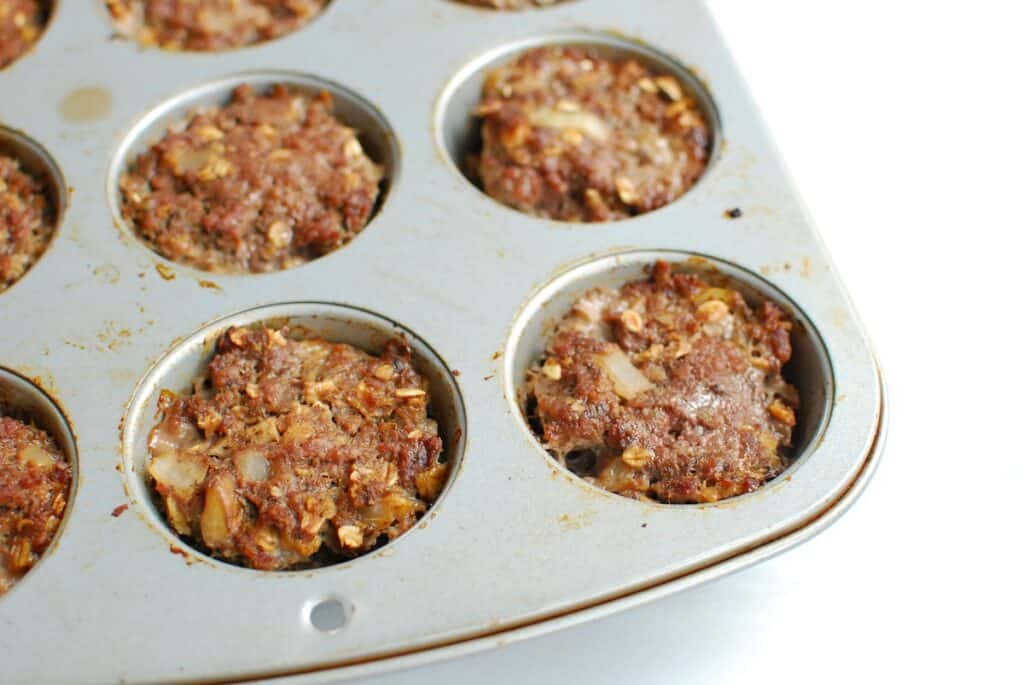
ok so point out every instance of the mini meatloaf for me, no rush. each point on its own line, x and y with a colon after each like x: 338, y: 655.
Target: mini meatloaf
x: 570, y: 135
x: 210, y: 25
x: 294, y: 454
x: 667, y: 389
x: 513, y: 4
x: 35, y: 482
x: 27, y: 221
x: 21, y: 24
x: 264, y: 183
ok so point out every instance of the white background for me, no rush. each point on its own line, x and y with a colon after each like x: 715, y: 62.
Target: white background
x: 902, y: 124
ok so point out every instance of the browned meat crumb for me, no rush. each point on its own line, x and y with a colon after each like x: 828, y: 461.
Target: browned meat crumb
x: 27, y: 221
x: 293, y: 454
x: 264, y: 183
x: 570, y: 135
x: 35, y: 482
x: 667, y: 389
x: 21, y: 24
x: 210, y: 25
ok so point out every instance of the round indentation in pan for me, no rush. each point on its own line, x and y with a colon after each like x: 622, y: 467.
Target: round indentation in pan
x: 33, y: 160
x: 22, y: 399
x: 19, y: 36
x: 512, y: 5
x: 457, y: 129
x: 809, y: 368
x: 206, y: 30
x: 188, y: 360
x: 375, y: 134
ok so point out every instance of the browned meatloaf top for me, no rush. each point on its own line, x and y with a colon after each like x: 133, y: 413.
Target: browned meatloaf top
x: 667, y: 389
x: 570, y: 135
x: 21, y: 23
x: 26, y: 221
x: 35, y: 482
x: 208, y: 25
x: 264, y: 183
x: 292, y: 454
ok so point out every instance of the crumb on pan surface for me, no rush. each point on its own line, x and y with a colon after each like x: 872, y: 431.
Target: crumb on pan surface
x: 21, y: 24
x: 210, y: 25
x: 667, y: 389
x: 570, y: 135
x: 296, y: 453
x: 27, y: 221
x: 266, y: 182
x: 35, y: 483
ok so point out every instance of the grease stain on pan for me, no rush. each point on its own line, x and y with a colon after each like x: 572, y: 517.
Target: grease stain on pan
x: 769, y: 269
x: 174, y: 549
x: 209, y: 285
x: 85, y: 105
x: 113, y: 338
x: 569, y: 522
x: 107, y: 273
x: 166, y: 272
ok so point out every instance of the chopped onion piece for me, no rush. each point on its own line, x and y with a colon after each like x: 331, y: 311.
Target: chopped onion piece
x: 220, y: 511
x: 177, y: 472
x: 170, y: 437
x: 253, y: 465
x: 627, y: 380
x: 35, y: 455
x: 585, y: 122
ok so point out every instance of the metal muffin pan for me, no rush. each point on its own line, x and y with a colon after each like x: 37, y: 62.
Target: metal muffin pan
x: 515, y: 546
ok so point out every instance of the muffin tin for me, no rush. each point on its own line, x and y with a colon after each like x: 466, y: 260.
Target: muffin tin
x: 516, y: 545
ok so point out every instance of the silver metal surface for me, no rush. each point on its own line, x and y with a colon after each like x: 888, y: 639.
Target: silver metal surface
x: 516, y: 545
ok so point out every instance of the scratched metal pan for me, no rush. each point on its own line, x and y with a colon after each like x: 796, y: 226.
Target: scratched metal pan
x: 515, y: 546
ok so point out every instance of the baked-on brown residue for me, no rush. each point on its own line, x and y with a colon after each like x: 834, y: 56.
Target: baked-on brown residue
x: 35, y: 482
x: 211, y: 24
x: 264, y: 183
x: 570, y: 135
x: 27, y: 221
x: 296, y: 453
x: 21, y: 24
x: 668, y: 389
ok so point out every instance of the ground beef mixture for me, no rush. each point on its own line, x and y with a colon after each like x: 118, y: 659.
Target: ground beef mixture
x: 210, y: 25
x: 264, y: 183
x: 35, y: 482
x: 294, y: 454
x: 667, y: 389
x: 21, y: 24
x: 570, y: 135
x: 513, y: 4
x: 27, y: 221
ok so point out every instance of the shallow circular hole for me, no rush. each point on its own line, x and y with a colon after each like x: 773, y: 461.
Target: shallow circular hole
x: 19, y: 37
x: 809, y: 369
x: 23, y: 400
x: 361, y: 329
x: 34, y: 161
x: 328, y: 615
x: 513, y: 5
x: 375, y: 135
x: 458, y: 130
x: 190, y: 31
